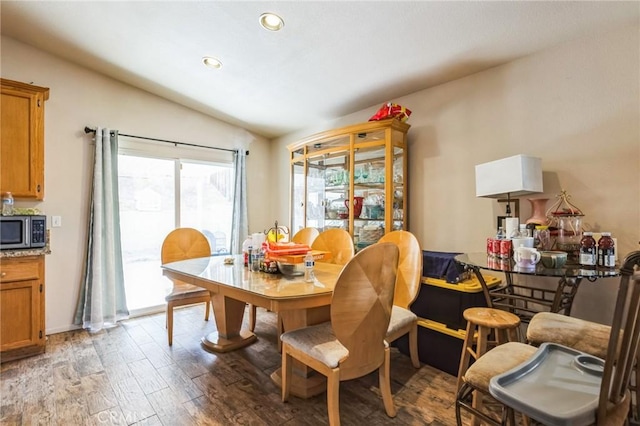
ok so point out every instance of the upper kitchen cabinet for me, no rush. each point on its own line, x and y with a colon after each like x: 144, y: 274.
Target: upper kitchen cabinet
x: 353, y: 178
x: 22, y: 139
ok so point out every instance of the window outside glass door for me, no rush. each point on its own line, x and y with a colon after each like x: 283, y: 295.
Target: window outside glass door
x: 148, y: 190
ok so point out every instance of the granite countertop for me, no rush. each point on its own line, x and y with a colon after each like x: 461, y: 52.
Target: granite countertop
x: 25, y: 252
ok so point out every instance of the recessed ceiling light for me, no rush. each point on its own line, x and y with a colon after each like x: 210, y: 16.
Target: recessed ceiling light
x: 271, y: 22
x: 212, y: 62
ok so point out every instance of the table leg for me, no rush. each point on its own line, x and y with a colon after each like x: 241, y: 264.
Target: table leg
x: 483, y: 284
x: 230, y: 336
x: 305, y: 382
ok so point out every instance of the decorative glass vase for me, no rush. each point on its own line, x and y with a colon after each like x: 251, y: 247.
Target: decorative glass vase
x: 566, y: 226
x: 538, y: 211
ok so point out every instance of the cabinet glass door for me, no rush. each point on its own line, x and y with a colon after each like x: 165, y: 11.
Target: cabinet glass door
x: 399, y: 189
x: 298, y: 182
x: 369, y: 187
x: 315, y: 193
x: 328, y: 186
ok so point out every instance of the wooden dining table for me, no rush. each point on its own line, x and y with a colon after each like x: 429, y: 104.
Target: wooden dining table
x: 232, y: 286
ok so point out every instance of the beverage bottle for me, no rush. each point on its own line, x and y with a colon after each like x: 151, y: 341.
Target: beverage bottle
x: 7, y: 204
x: 308, y: 268
x: 256, y: 259
x: 588, y: 250
x: 250, y: 255
x: 606, y: 251
x: 523, y: 232
x: 246, y: 249
x: 497, y: 245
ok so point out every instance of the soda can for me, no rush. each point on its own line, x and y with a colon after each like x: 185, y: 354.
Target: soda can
x: 490, y: 247
x: 495, y: 247
x: 505, y: 249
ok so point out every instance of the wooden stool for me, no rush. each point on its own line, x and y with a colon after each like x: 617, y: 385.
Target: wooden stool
x: 483, y: 320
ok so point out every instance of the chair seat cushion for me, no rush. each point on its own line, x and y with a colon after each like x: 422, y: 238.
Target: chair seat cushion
x: 496, y: 361
x: 185, y: 291
x: 401, y: 319
x: 319, y: 342
x: 585, y: 336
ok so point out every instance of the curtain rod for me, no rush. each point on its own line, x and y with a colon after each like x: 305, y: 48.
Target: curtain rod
x: 90, y: 130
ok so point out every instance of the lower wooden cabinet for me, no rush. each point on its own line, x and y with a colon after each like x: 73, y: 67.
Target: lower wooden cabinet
x: 22, y: 317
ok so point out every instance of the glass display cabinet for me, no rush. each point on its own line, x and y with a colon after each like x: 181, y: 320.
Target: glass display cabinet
x: 353, y: 178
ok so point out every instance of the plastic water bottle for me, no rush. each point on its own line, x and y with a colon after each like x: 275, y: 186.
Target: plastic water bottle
x: 256, y: 259
x: 524, y: 231
x: 7, y: 204
x: 308, y: 268
x: 250, y: 256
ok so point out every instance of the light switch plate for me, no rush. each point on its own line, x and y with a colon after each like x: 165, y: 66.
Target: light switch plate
x: 56, y: 221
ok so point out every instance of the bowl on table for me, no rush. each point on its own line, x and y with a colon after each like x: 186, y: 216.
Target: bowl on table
x: 291, y: 269
x: 553, y: 259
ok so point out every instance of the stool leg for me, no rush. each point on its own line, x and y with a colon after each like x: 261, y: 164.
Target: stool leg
x: 514, y: 334
x: 467, y: 350
x: 481, y: 349
x: 508, y: 335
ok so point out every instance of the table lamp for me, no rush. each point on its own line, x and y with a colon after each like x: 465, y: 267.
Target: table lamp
x: 509, y: 177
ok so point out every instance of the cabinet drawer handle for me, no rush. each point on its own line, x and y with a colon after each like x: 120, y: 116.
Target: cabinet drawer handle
x: 3, y: 274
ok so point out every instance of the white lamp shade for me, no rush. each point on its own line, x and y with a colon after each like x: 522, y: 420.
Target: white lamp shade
x: 517, y: 176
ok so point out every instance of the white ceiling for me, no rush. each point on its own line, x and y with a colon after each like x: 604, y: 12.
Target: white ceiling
x: 332, y: 58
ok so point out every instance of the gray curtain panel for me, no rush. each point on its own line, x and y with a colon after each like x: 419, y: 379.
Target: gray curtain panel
x: 240, y: 223
x: 102, y: 301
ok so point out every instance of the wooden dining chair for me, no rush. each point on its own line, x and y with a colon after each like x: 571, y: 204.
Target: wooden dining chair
x: 353, y: 343
x: 403, y: 321
x: 305, y: 236
x: 181, y: 244
x: 612, y: 403
x: 336, y: 241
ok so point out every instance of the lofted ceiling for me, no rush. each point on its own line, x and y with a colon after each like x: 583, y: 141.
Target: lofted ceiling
x: 331, y: 58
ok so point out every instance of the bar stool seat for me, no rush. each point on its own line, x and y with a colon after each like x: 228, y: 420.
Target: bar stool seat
x: 480, y: 323
x: 483, y: 320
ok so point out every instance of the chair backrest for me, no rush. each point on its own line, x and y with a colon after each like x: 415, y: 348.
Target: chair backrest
x: 184, y: 243
x: 361, y: 307
x: 305, y: 236
x: 338, y: 242
x: 625, y: 334
x: 409, y: 266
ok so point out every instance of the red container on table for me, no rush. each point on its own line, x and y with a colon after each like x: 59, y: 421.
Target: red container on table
x: 490, y: 251
x: 505, y: 249
x: 495, y: 243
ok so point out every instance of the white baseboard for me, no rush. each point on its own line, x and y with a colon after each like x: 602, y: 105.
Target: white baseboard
x: 151, y: 310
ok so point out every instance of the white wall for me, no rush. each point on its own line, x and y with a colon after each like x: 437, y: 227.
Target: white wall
x: 79, y: 98
x: 577, y: 106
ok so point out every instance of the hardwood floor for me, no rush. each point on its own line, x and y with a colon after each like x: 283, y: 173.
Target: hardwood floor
x: 129, y: 375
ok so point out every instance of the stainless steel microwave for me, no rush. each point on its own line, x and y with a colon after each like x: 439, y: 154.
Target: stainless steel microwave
x: 23, y: 232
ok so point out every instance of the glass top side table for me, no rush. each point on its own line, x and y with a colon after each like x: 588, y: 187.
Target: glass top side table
x: 526, y: 301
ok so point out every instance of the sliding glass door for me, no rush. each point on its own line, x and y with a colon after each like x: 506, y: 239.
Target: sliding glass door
x: 158, y: 195
x: 206, y: 202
